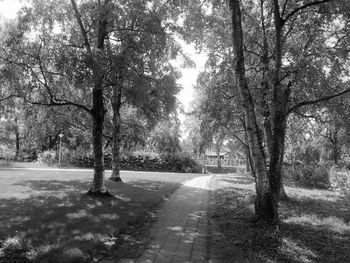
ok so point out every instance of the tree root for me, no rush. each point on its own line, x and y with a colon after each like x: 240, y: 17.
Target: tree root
x: 115, y: 179
x: 99, y: 194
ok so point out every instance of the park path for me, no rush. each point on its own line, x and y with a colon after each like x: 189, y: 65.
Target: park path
x: 179, y: 235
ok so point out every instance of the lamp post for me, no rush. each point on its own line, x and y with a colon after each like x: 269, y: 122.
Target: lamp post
x: 59, y: 152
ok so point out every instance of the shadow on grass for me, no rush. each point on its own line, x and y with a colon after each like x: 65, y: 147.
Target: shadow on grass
x: 312, y: 230
x: 321, y: 226
x: 60, y: 223
x: 240, y: 179
x: 222, y: 170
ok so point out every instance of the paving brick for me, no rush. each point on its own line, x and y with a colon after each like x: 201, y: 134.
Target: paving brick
x: 179, y: 235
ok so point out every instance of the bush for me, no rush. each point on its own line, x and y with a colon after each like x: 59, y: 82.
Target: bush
x: 146, y: 162
x: 48, y: 157
x: 28, y: 156
x: 82, y: 158
x: 309, y: 175
x: 179, y: 163
x: 344, y: 164
x: 6, y: 153
x: 340, y: 179
x: 315, y: 176
x: 309, y: 155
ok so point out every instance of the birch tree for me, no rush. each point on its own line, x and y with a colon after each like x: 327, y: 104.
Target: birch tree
x: 288, y: 56
x: 276, y: 96
x: 71, y: 54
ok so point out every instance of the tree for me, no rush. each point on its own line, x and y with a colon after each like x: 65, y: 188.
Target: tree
x: 279, y: 66
x: 140, y: 73
x: 11, y: 124
x: 276, y: 92
x: 165, y: 138
x: 79, y: 51
x: 59, y: 66
x: 216, y: 105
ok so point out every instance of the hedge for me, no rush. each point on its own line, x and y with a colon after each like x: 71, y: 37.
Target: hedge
x: 167, y: 163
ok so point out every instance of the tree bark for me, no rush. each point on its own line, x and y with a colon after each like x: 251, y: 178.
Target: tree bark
x: 218, y: 158
x: 98, y: 111
x: 282, y: 195
x: 264, y: 205
x: 279, y: 110
x: 336, y: 148
x: 17, y: 140
x: 265, y: 83
x: 116, y: 104
x: 17, y: 145
x: 98, y: 186
x: 247, y: 160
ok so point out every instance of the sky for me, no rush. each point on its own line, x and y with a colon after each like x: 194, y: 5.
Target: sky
x: 189, y: 75
x: 9, y: 8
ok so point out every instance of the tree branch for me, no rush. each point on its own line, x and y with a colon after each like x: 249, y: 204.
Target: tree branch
x: 225, y: 95
x: 315, y: 101
x: 9, y: 97
x: 81, y: 26
x: 235, y: 136
x: 58, y: 102
x: 45, y: 83
x: 53, y: 100
x: 296, y: 10
x: 305, y: 115
x: 284, y: 7
x: 328, y: 137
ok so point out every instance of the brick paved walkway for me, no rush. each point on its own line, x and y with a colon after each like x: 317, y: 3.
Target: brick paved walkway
x: 179, y: 235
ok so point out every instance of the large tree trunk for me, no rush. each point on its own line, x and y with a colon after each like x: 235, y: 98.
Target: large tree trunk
x: 336, y: 155
x: 265, y: 84
x: 247, y: 160
x: 98, y: 186
x: 116, y: 104
x: 280, y: 98
x: 336, y: 148
x: 98, y: 112
x: 17, y: 140
x: 282, y: 195
x: 282, y: 192
x: 218, y: 157
x: 265, y: 209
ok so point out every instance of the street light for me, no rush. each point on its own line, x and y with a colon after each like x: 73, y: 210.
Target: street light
x: 59, y: 152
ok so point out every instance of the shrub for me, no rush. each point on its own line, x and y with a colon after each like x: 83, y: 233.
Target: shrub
x: 308, y: 175
x: 316, y: 176
x: 143, y: 162
x: 48, y: 157
x: 27, y: 156
x: 340, y: 179
x: 309, y: 155
x: 6, y: 153
x: 82, y: 159
x: 344, y: 164
x: 179, y: 163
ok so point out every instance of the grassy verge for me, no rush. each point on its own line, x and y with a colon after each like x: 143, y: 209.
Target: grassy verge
x: 55, y: 222
x: 315, y: 225
x: 12, y: 164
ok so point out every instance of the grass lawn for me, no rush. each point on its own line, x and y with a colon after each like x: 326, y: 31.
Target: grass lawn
x: 45, y: 216
x: 315, y: 225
